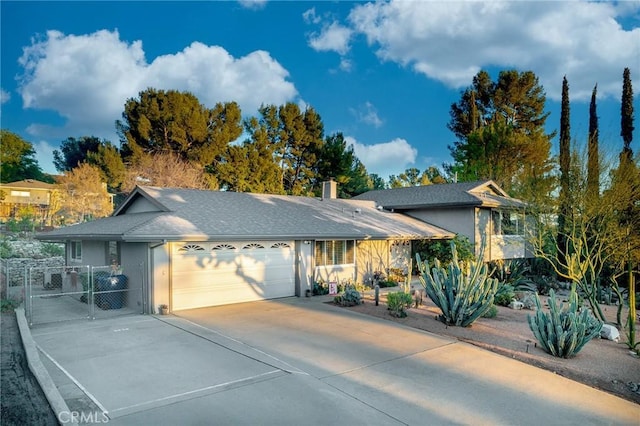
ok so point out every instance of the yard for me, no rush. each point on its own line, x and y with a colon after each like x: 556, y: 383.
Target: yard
x: 602, y: 363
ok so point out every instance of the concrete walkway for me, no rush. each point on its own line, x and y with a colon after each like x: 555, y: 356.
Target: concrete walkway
x: 303, y: 362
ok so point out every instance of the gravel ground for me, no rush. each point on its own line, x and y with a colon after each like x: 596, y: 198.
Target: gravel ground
x: 601, y: 363
x: 22, y: 400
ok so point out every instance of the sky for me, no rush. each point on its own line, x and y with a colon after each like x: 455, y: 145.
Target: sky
x: 383, y: 73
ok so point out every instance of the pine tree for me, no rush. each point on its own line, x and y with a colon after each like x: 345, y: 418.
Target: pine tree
x: 593, y: 161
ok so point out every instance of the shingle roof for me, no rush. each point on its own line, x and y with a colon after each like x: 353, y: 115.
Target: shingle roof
x: 479, y: 193
x: 186, y: 214
x: 29, y: 184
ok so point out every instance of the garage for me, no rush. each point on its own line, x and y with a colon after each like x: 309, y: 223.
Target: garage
x: 220, y: 273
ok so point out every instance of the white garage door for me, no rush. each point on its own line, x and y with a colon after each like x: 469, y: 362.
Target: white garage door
x: 210, y: 274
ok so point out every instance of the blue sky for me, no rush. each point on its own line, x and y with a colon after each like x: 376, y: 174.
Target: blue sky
x: 383, y: 73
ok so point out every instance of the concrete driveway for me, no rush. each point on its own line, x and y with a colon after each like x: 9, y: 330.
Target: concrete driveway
x: 303, y: 362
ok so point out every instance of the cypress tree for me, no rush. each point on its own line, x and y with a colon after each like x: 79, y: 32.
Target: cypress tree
x: 593, y: 160
x: 626, y: 114
x: 565, y: 164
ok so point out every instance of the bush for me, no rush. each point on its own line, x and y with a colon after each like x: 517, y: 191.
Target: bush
x: 430, y: 250
x: 463, y: 290
x: 320, y: 288
x: 504, y: 295
x: 350, y: 297
x: 563, y: 331
x: 52, y: 250
x: 398, y: 302
x: 492, y: 312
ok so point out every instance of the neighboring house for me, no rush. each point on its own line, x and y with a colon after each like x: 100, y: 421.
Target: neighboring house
x: 193, y: 248
x: 481, y: 211
x: 27, y: 194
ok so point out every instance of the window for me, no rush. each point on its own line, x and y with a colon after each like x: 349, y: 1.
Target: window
x: 508, y: 222
x: 337, y: 252
x: 20, y: 193
x: 76, y: 250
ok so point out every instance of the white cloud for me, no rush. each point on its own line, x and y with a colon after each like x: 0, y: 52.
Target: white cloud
x: 385, y: 158
x: 368, y: 114
x: 253, y: 4
x: 332, y: 38
x: 452, y: 41
x: 4, y: 96
x: 87, y: 79
x: 346, y: 65
x: 310, y: 16
x: 44, y: 155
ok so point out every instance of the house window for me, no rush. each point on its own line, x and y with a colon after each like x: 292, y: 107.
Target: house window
x: 337, y: 252
x: 20, y: 193
x: 507, y: 222
x: 76, y: 250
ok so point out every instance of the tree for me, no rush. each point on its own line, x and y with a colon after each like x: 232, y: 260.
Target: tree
x: 17, y: 160
x: 626, y: 114
x: 500, y: 134
x: 84, y: 194
x: 338, y: 161
x: 376, y: 182
x: 75, y: 151
x: 593, y: 160
x: 109, y: 161
x: 565, y: 201
x: 176, y: 122
x: 590, y: 241
x: 166, y: 170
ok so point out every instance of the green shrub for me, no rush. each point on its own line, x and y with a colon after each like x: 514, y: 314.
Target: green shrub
x: 398, y: 302
x: 52, y: 250
x: 430, y: 250
x: 463, y: 290
x: 350, y: 297
x: 492, y: 312
x: 8, y: 305
x: 563, y: 331
x: 504, y: 295
x: 320, y: 288
x: 5, y: 249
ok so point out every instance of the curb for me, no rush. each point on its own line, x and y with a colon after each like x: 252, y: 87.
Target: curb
x: 50, y: 390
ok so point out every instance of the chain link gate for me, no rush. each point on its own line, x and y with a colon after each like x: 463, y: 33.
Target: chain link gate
x: 69, y: 293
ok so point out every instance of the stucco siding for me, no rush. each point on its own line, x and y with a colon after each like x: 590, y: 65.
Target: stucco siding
x: 134, y: 264
x: 457, y: 220
x: 304, y: 267
x: 160, y: 273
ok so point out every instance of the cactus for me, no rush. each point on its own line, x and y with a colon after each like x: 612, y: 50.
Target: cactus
x: 463, y: 290
x: 563, y: 331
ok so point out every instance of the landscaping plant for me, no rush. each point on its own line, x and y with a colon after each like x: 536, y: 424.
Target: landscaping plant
x: 398, y: 302
x: 350, y: 297
x: 565, y: 329
x: 462, y: 290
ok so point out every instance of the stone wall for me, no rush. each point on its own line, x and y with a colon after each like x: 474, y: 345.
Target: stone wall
x: 13, y: 273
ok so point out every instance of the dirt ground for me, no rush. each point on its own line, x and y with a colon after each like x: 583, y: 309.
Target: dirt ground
x: 601, y: 363
x: 22, y: 400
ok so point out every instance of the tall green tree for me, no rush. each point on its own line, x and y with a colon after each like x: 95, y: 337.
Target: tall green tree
x: 109, y: 160
x: 74, y: 151
x: 17, y: 160
x: 593, y: 157
x: 176, y: 122
x: 338, y: 161
x: 500, y: 132
x: 626, y: 114
x: 565, y: 201
x: 252, y: 167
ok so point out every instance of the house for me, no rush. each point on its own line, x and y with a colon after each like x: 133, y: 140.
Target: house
x: 28, y: 194
x: 481, y: 211
x: 192, y: 248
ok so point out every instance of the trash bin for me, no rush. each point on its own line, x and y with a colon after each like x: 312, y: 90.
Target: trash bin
x: 110, y: 292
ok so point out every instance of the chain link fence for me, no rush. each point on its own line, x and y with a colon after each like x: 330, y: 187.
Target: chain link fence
x: 69, y: 293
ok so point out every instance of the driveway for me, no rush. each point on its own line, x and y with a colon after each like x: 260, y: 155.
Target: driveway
x: 300, y: 361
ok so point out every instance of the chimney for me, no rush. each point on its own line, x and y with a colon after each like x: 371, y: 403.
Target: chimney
x: 329, y: 190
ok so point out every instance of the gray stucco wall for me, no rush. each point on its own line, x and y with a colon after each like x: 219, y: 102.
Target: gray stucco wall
x: 458, y: 220
x: 304, y: 267
x: 94, y: 253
